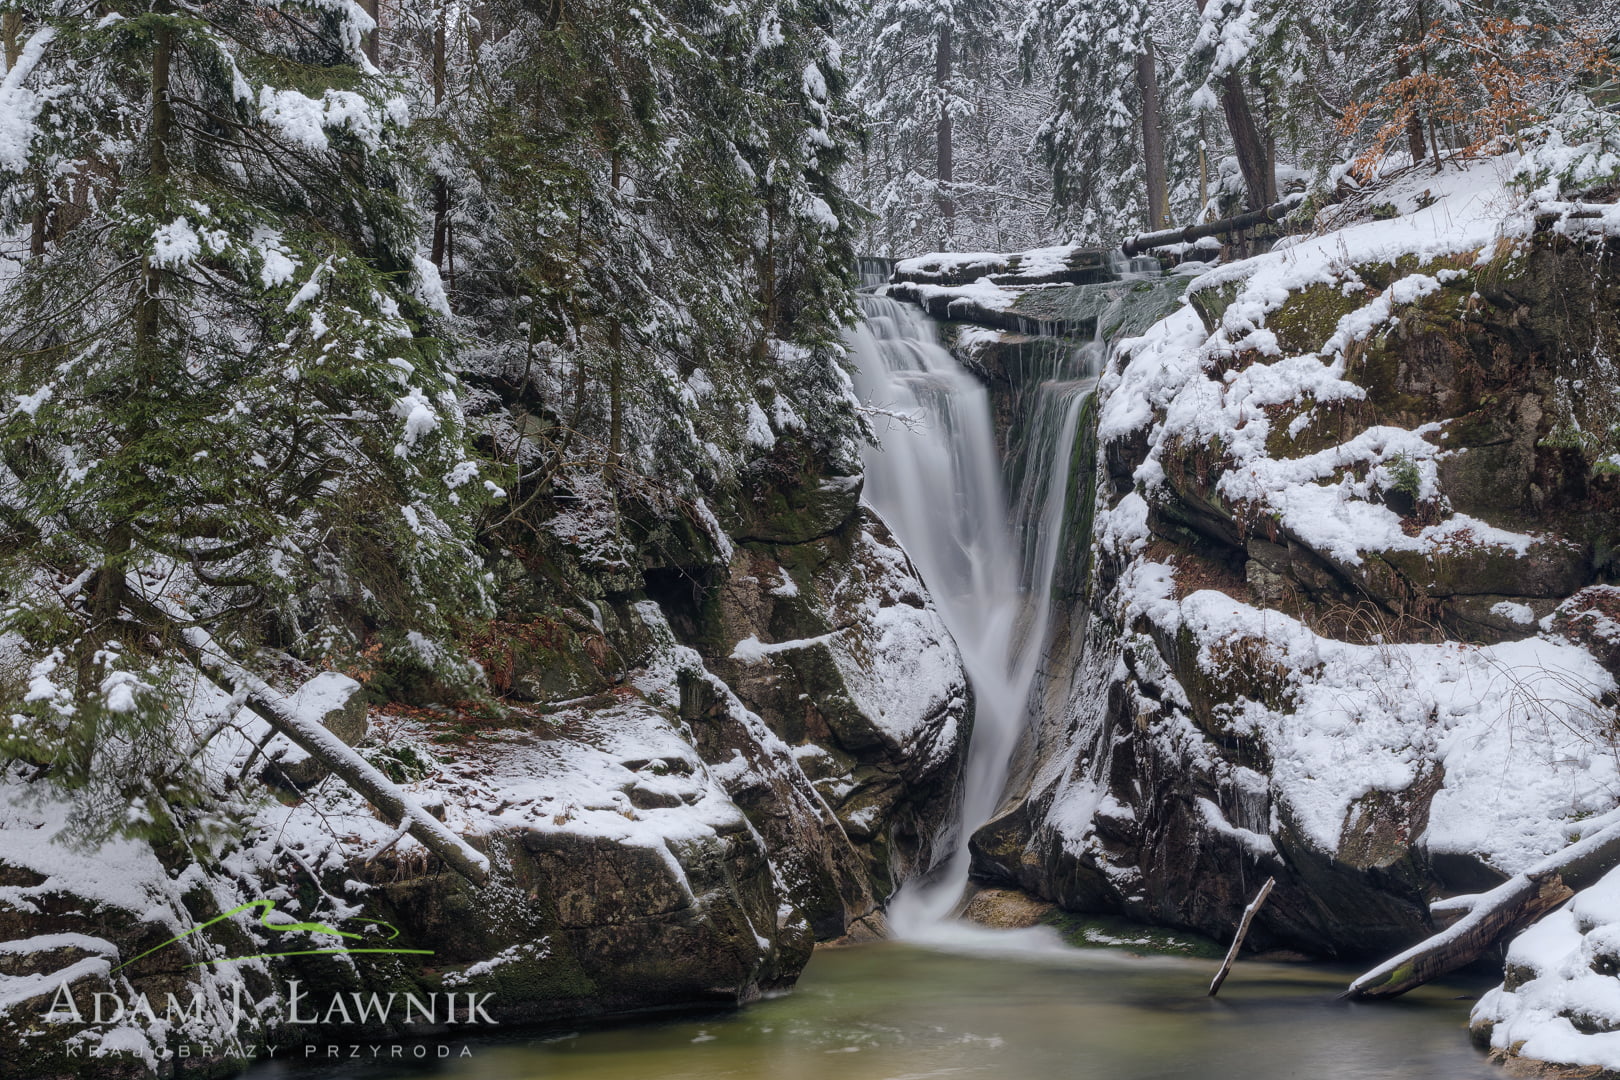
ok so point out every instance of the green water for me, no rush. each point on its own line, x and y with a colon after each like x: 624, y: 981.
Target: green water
x: 900, y: 1012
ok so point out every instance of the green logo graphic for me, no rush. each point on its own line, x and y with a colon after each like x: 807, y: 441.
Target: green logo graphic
x: 267, y: 907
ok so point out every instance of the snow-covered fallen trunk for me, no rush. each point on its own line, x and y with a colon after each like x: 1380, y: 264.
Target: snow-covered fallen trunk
x: 1504, y: 910
x: 308, y: 733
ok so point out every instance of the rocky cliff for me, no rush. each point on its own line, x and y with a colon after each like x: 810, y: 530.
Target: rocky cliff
x: 1341, y: 621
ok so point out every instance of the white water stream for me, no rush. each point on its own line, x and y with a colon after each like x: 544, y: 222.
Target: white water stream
x: 986, y: 554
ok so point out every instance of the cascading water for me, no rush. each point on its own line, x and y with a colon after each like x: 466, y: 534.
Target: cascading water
x: 987, y: 558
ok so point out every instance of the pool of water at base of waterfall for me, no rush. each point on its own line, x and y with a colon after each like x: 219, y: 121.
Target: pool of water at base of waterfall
x: 893, y: 1011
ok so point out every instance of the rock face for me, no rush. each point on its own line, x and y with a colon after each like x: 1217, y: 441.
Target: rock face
x: 736, y: 741
x: 1068, y: 264
x: 1097, y: 308
x: 1332, y: 512
x: 835, y: 646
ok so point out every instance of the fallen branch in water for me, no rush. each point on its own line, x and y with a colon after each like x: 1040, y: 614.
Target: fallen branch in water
x: 1242, y: 932
x: 1506, y: 909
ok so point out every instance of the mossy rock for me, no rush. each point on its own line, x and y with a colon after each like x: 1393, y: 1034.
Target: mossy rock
x: 1085, y: 931
x: 1211, y: 302
x: 1472, y: 568
x: 788, y: 497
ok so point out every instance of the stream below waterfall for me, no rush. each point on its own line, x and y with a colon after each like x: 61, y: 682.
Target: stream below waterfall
x: 895, y: 1011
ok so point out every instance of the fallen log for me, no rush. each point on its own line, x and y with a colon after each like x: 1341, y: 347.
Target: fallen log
x: 1270, y: 215
x: 397, y: 808
x: 308, y: 733
x: 1242, y: 932
x: 1494, y: 915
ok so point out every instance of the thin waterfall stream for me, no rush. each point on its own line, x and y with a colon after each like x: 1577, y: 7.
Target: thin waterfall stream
x: 987, y: 550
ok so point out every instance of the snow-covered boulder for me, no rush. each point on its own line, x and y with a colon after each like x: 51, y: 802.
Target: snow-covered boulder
x: 622, y: 877
x: 1559, y: 1004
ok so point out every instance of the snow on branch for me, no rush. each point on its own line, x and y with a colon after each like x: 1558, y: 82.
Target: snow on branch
x: 304, y: 728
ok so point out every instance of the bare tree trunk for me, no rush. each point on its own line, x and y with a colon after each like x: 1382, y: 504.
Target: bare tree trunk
x: 157, y: 143
x: 373, y: 40
x: 1268, y: 133
x: 1242, y: 932
x: 1158, y: 193
x: 1493, y: 916
x: 395, y: 806
x: 1423, y: 57
x: 944, y: 166
x: 40, y: 225
x: 1253, y: 162
x: 1203, y: 167
x: 441, y: 190
x: 10, y: 31
x: 768, y: 271
x: 615, y: 360
x: 615, y: 392
x: 1145, y: 242
x: 1246, y: 141
x: 310, y: 735
x: 1414, y: 124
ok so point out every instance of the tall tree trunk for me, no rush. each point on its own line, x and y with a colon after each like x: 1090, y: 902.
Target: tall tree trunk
x: 1203, y: 167
x: 441, y: 190
x: 1423, y: 60
x: 149, y: 308
x: 10, y: 35
x: 40, y: 225
x: 615, y: 357
x: 1414, y: 123
x: 109, y: 589
x: 373, y: 40
x: 10, y: 31
x: 615, y: 392
x: 766, y: 262
x: 944, y: 166
x: 1268, y: 132
x: 1253, y: 161
x: 1158, y: 193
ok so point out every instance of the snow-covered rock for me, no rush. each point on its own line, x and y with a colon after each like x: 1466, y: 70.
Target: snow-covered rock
x: 1322, y: 637
x: 686, y: 784
x: 1559, y: 1004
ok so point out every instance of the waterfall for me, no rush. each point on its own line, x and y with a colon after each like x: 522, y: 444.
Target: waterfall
x: 986, y: 553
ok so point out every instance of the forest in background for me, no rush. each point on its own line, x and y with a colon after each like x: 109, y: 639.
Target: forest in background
x: 994, y: 125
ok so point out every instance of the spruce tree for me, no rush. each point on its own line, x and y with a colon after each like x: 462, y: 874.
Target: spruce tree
x: 924, y: 73
x: 1102, y: 55
x: 652, y: 248
x: 225, y: 406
